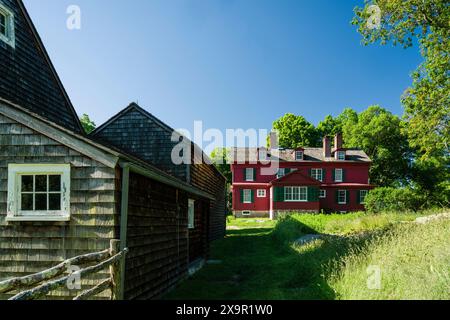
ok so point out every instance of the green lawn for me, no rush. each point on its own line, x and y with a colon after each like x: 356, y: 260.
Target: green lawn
x: 260, y: 261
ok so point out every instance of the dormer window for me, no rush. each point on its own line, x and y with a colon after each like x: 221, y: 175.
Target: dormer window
x: 262, y: 155
x: 6, y: 26
x: 340, y: 155
x: 299, y: 155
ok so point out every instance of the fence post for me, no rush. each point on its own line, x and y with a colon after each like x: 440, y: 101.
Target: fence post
x: 114, y: 270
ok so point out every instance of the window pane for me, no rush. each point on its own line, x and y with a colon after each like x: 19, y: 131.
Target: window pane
x: 54, y: 201
x: 41, y: 183
x: 27, y: 202
x: 41, y: 202
x: 54, y: 183
x: 27, y: 183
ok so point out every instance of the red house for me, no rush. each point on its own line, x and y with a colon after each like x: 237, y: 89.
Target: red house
x: 267, y: 183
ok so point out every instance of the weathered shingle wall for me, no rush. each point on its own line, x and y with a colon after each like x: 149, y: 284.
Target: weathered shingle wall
x: 34, y: 246
x: 26, y: 78
x: 157, y: 238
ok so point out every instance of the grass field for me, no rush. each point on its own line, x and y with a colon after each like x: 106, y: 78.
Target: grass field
x: 259, y: 260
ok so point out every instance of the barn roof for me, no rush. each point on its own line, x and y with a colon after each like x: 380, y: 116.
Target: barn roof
x: 28, y: 77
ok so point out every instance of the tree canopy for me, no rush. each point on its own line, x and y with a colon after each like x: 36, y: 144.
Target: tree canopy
x: 87, y: 123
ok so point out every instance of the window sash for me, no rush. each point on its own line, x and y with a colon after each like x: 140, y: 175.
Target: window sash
x: 247, y: 196
x: 3, y: 24
x: 362, y: 196
x: 317, y: 174
x: 342, y: 197
x: 261, y: 193
x: 298, y: 155
x: 340, y: 155
x: 249, y: 174
x: 323, y: 194
x: 338, y: 175
x: 33, y: 192
x: 296, y: 194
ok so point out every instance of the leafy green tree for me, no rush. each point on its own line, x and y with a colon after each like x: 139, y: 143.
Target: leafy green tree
x: 220, y: 158
x: 294, y: 131
x: 427, y: 102
x: 378, y: 132
x: 329, y: 126
x: 87, y: 123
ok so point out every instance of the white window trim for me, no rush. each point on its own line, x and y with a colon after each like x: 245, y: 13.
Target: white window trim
x: 191, y: 214
x: 246, y: 213
x: 249, y: 191
x: 297, y: 158
x: 361, y: 192
x: 292, y: 188
x: 335, y: 175
x: 15, y: 171
x: 247, y: 170
x: 317, y: 170
x: 10, y: 38
x: 324, y: 195
x: 345, y: 201
x: 261, y: 193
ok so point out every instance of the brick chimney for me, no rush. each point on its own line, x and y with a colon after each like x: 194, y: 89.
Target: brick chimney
x: 274, y: 140
x: 327, y: 147
x: 338, y: 141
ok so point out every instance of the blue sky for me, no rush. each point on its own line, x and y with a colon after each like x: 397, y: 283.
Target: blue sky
x: 229, y: 63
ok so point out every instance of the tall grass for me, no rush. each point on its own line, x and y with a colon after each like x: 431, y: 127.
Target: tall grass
x: 414, y: 261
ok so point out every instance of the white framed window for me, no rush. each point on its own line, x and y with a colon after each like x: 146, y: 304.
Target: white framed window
x: 338, y: 175
x: 340, y: 155
x: 261, y: 193
x: 38, y: 192
x: 299, y: 155
x: 323, y: 194
x: 191, y: 214
x: 362, y: 196
x: 247, y: 196
x: 246, y: 213
x: 7, y: 26
x: 262, y: 155
x: 317, y: 174
x: 249, y: 174
x: 296, y: 194
x: 281, y: 173
x: 342, y: 197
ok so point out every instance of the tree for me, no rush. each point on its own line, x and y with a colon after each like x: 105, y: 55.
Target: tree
x: 427, y: 102
x: 87, y: 123
x: 329, y: 126
x: 221, y: 160
x: 378, y: 132
x: 294, y: 131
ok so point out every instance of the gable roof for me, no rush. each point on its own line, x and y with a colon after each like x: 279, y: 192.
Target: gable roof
x: 29, y: 78
x: 140, y: 133
x: 288, y: 155
x: 295, y: 177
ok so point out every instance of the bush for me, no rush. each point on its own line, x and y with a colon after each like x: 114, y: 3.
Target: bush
x: 393, y: 199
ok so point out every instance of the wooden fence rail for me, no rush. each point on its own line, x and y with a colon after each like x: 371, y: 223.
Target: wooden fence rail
x: 113, y: 257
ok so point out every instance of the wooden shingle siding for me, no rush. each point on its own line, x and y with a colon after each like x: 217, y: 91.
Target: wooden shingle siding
x: 27, y: 79
x: 208, y: 179
x: 34, y: 246
x: 198, y: 236
x: 157, y: 238
x: 143, y: 137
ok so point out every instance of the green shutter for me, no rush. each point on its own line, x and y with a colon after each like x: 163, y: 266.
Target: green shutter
x: 337, y: 196
x: 245, y: 175
x: 278, y: 195
x: 324, y: 173
x: 333, y: 173
x: 358, y: 196
x: 343, y: 175
x: 313, y: 194
x: 347, y: 196
x: 287, y: 171
x: 242, y: 195
x: 254, y: 174
x: 252, y: 196
x: 310, y: 173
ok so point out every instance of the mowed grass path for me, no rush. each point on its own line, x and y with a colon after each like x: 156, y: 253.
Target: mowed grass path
x: 258, y: 259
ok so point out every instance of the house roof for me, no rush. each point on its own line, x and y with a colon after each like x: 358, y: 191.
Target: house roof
x: 29, y: 78
x: 244, y: 155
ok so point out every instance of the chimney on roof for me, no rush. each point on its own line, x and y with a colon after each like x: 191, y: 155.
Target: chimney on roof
x: 274, y: 140
x: 338, y: 141
x: 327, y: 147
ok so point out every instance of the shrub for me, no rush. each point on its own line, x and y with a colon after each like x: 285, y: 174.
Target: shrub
x: 393, y: 199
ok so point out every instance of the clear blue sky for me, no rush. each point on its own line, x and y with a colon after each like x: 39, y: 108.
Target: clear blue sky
x: 230, y: 63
